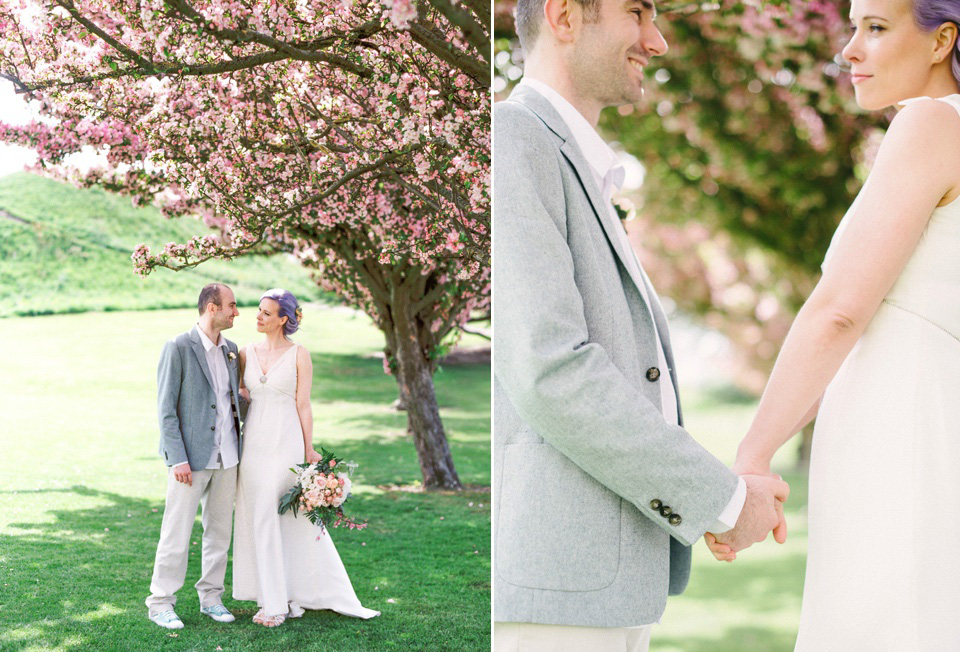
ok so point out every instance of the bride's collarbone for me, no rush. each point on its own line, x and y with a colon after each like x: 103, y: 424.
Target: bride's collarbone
x: 269, y: 357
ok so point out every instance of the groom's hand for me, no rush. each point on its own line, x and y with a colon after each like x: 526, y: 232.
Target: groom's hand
x: 182, y: 473
x: 762, y: 512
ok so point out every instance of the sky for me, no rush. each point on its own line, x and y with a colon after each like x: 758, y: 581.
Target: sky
x: 13, y: 110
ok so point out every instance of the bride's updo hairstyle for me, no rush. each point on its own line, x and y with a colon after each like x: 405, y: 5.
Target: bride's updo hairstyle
x: 931, y: 14
x: 289, y: 308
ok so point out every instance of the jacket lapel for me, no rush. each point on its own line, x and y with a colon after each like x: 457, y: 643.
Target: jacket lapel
x: 571, y: 151
x: 201, y: 354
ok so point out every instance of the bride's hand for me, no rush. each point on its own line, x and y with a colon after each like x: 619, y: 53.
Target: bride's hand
x: 313, y: 456
x: 721, y: 551
x: 245, y: 394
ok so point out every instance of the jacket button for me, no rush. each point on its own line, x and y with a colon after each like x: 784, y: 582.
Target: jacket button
x: 665, y: 511
x: 214, y: 406
x: 652, y: 374
x: 655, y: 503
x: 674, y: 519
x: 213, y: 428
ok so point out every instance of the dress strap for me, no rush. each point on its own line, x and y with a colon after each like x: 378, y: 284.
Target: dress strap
x: 953, y: 100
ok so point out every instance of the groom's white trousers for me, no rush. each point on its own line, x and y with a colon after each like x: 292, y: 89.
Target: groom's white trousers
x: 213, y: 490
x: 533, y: 637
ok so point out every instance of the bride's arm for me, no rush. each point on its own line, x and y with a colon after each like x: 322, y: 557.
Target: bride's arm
x: 244, y: 392
x: 304, y: 409
x: 915, y: 169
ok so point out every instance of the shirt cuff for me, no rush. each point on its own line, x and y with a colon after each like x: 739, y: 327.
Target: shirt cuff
x: 187, y: 464
x: 728, y: 517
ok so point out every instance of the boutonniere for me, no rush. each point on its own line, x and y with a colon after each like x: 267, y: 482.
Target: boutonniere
x: 231, y: 356
x: 626, y: 210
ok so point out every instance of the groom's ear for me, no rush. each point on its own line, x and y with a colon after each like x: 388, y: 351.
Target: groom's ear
x: 563, y: 19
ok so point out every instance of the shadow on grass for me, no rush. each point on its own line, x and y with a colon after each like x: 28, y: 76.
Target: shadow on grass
x: 78, y: 581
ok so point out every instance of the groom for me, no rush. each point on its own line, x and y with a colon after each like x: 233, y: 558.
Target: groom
x: 197, y: 403
x: 599, y: 491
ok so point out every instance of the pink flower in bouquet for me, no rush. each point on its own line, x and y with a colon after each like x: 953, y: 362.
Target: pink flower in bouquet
x: 319, y: 493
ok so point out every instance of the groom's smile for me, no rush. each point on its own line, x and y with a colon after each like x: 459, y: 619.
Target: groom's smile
x: 616, y: 41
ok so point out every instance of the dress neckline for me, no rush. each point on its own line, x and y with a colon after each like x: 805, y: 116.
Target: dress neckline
x: 264, y: 374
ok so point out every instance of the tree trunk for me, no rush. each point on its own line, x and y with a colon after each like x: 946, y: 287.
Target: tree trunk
x: 415, y: 378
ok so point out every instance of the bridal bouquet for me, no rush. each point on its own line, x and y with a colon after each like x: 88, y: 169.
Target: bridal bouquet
x: 320, y: 491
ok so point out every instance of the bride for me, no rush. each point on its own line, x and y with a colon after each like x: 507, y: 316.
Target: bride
x: 282, y: 562
x: 875, y: 354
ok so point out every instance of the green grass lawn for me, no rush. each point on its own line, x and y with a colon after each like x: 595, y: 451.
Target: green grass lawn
x: 81, y: 493
x: 68, y: 250
x: 753, y: 603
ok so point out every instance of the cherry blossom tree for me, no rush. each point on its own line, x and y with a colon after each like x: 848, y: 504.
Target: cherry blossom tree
x: 352, y: 133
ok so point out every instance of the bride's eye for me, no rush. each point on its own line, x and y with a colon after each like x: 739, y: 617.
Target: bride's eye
x: 877, y: 28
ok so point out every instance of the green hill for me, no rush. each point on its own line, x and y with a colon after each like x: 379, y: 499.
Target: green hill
x: 64, y: 249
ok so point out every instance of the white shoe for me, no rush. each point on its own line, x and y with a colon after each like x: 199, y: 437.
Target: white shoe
x: 219, y: 613
x: 167, y: 619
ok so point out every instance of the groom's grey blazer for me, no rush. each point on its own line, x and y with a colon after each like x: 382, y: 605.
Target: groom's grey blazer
x: 583, y: 458
x: 186, y: 404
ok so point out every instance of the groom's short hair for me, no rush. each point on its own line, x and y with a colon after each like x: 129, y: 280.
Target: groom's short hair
x: 529, y: 15
x: 209, y: 294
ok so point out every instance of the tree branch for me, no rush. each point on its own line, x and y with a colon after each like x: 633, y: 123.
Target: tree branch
x: 478, y: 70
x: 472, y: 30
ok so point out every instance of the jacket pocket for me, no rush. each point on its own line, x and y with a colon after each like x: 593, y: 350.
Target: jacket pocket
x: 557, y: 527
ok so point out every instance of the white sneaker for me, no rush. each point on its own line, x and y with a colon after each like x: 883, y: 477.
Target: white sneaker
x: 167, y: 619
x: 219, y: 613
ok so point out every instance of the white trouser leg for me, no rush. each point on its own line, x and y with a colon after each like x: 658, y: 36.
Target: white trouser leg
x: 179, y: 513
x: 532, y: 637
x: 217, y: 518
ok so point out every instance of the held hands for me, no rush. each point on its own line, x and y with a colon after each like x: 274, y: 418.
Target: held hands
x: 762, y: 512
x: 313, y: 456
x: 244, y: 394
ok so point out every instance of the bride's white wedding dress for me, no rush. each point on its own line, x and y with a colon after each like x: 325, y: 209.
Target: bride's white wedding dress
x: 883, y: 573
x: 282, y: 562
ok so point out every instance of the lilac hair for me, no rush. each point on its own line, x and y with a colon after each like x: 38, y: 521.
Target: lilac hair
x: 931, y: 14
x: 289, y: 308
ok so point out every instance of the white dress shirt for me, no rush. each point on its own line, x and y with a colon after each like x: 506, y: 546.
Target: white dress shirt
x: 608, y: 173
x: 225, y: 453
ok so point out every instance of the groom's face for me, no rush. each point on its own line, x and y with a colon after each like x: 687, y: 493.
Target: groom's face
x: 223, y: 317
x: 612, y: 50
